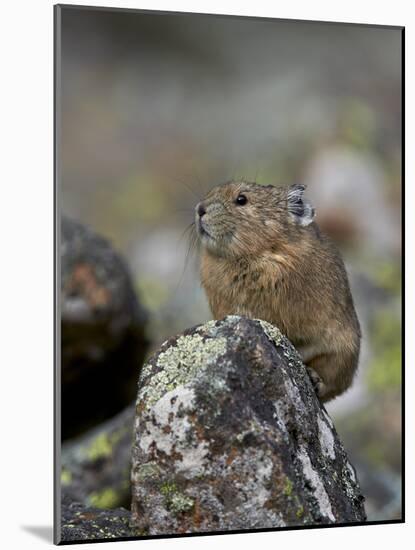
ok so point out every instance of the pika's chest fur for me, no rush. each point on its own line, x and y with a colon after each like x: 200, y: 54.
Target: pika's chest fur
x: 266, y: 287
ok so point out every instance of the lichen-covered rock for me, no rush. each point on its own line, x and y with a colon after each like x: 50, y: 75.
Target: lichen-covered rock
x: 96, y: 466
x: 103, y: 330
x: 229, y: 434
x: 80, y: 523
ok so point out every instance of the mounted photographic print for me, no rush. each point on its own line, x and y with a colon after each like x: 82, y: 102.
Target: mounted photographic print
x: 229, y: 274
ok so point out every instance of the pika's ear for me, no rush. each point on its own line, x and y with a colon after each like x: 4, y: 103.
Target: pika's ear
x: 302, y: 212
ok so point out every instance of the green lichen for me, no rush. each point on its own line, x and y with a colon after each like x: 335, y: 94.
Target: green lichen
x: 179, y: 363
x: 66, y: 476
x: 273, y: 333
x: 288, y: 489
x: 100, y: 447
x: 277, y: 338
x: 300, y: 512
x: 148, y: 471
x: 107, y: 498
x: 180, y: 503
x: 168, y: 488
x: 174, y: 500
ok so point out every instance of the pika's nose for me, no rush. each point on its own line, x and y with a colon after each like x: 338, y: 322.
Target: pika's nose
x: 200, y: 209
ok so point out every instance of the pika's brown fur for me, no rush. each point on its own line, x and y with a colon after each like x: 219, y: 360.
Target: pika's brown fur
x: 263, y: 256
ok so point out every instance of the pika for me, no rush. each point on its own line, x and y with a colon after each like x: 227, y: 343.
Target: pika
x: 264, y: 256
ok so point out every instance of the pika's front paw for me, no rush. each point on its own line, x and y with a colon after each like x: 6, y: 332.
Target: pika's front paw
x: 318, y: 384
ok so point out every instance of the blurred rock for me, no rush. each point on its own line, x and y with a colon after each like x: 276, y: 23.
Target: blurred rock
x: 96, y: 466
x: 229, y: 434
x: 80, y: 523
x: 348, y: 188
x: 374, y: 442
x: 103, y: 330
x: 383, y: 490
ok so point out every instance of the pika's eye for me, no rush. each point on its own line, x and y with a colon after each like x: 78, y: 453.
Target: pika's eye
x: 241, y: 200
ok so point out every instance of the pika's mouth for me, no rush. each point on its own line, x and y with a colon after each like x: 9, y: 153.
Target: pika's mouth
x: 202, y: 230
x: 210, y: 239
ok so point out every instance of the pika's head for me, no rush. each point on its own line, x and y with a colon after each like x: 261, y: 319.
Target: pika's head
x: 239, y: 218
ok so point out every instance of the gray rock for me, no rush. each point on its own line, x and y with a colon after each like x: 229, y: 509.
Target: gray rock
x: 80, y: 523
x: 96, y: 466
x: 229, y: 435
x: 103, y: 330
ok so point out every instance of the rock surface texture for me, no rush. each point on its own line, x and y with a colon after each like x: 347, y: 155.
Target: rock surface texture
x: 79, y: 523
x: 96, y: 466
x: 103, y: 338
x: 229, y: 435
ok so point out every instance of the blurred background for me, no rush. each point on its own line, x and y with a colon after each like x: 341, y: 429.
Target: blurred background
x: 158, y: 108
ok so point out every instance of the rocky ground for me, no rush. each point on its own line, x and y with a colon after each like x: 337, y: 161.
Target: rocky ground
x: 227, y: 434
x: 225, y: 431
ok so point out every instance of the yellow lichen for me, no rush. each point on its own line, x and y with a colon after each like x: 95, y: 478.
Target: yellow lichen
x: 107, y: 498
x: 66, y: 476
x: 99, y: 447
